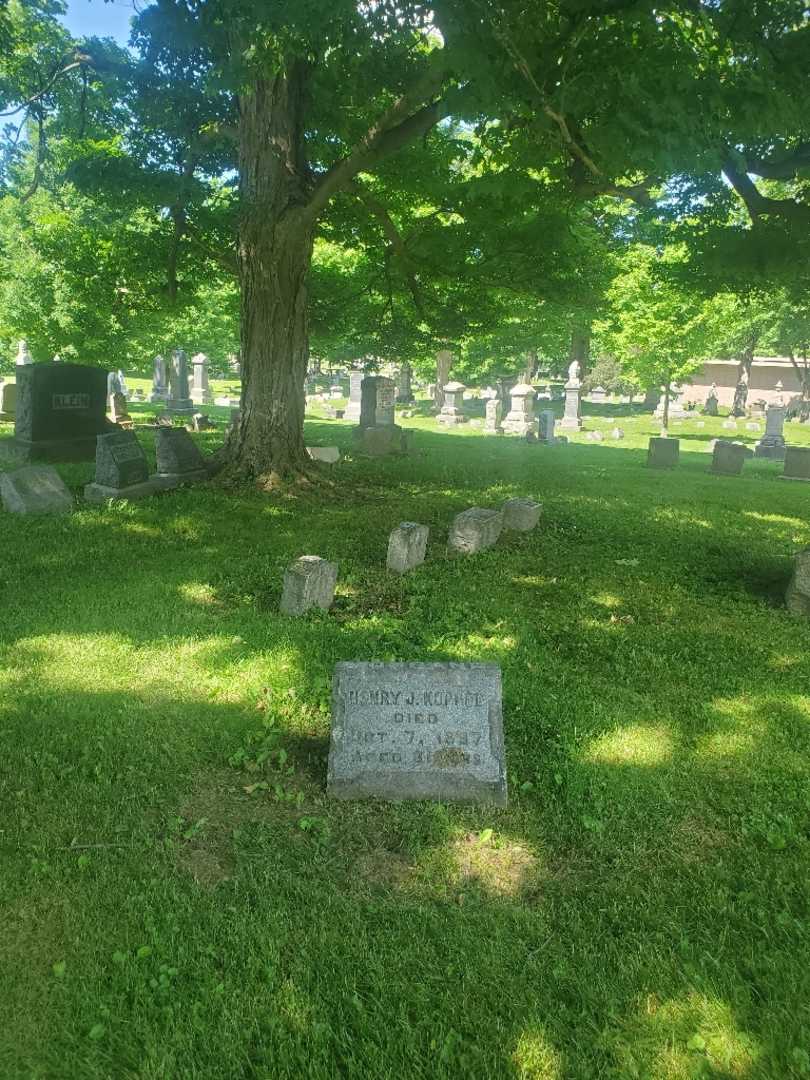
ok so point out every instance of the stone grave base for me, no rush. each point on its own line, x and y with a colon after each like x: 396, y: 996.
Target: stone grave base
x: 379, y: 441
x: 570, y: 423
x: 776, y: 453
x: 50, y: 449
x: 98, y: 493
x: 173, y: 480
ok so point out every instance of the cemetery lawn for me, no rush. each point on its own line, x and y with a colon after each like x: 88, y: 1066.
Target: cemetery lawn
x: 179, y: 899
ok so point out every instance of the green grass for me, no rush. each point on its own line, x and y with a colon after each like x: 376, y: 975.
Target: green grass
x: 641, y: 908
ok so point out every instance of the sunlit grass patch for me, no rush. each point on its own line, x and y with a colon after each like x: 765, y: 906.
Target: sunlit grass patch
x: 634, y: 744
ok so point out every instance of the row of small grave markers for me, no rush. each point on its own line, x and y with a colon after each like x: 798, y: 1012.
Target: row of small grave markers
x: 310, y: 581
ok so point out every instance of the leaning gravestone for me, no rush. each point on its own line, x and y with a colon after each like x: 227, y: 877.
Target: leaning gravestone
x: 406, y: 547
x: 179, y: 461
x: 309, y: 582
x: 475, y: 530
x: 797, y: 463
x: 663, y: 453
x: 121, y: 469
x: 797, y: 597
x: 60, y: 411
x: 417, y: 731
x: 34, y: 489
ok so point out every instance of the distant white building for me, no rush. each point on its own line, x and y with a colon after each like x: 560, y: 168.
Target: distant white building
x: 766, y: 372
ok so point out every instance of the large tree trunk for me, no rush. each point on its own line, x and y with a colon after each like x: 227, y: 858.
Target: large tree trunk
x: 580, y: 348
x: 745, y: 360
x: 275, y: 252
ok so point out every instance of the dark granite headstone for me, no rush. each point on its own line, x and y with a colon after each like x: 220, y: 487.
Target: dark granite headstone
x: 417, y: 731
x: 663, y: 453
x: 121, y: 469
x: 178, y: 458
x: 60, y: 411
x: 120, y: 460
x: 728, y: 458
x: 376, y: 401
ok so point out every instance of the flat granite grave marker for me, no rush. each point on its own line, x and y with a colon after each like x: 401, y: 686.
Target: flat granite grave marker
x: 35, y: 489
x: 417, y: 731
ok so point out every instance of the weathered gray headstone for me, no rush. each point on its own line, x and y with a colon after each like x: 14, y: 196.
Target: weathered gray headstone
x: 797, y: 597
x: 710, y: 406
x: 494, y: 416
x: 475, y: 530
x: 200, y: 386
x: 545, y: 423
x: 772, y: 443
x: 179, y: 461
x: 179, y: 400
x: 521, y: 515
x: 404, y: 388
x: 308, y: 582
x: 572, y: 414
x: 8, y: 400
x: 617, y: 433
x: 595, y: 436
x: 663, y: 453
x: 730, y: 425
x: 160, y: 384
x: 797, y: 463
x: 406, y: 547
x: 121, y: 469
x: 352, y: 411
x: 417, y: 731
x: 34, y: 489
x: 728, y: 458
x: 452, y: 411
x: 23, y: 356
x: 520, y: 418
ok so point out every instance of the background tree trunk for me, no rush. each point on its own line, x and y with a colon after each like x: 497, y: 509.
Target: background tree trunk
x: 275, y: 253
x: 580, y: 348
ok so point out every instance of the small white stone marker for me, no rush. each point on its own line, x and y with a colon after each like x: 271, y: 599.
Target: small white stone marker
x: 406, y: 547
x: 521, y: 515
x: 475, y: 530
x: 308, y: 582
x: 328, y: 454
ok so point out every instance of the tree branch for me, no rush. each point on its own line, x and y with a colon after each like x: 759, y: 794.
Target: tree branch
x: 82, y: 59
x: 783, y: 167
x: 397, y: 126
x: 395, y: 240
x: 759, y: 205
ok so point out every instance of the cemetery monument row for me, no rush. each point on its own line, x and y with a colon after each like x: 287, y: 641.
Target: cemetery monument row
x: 417, y: 731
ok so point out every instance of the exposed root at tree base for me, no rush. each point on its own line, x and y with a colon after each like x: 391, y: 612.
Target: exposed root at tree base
x: 289, y: 482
